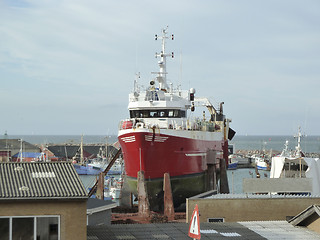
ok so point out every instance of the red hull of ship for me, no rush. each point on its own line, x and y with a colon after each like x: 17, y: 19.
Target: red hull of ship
x: 156, y: 154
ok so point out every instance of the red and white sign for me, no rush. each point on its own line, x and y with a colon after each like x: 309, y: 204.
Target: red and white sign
x: 194, y: 227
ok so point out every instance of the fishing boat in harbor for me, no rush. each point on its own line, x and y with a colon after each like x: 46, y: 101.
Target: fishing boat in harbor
x: 294, y: 164
x: 261, y: 159
x: 101, y: 164
x: 94, y: 166
x: 97, y: 166
x: 261, y: 163
x: 81, y: 166
x: 164, y: 135
x: 113, y: 186
x: 233, y: 162
x: 289, y: 164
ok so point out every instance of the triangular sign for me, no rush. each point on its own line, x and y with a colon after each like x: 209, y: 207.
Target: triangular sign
x: 194, y: 227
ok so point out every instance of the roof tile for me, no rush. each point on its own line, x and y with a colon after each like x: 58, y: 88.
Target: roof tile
x: 29, y: 180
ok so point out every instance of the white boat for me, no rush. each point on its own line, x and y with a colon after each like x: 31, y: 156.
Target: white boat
x: 261, y: 163
x: 293, y: 164
x: 233, y: 162
x: 116, y: 169
x: 113, y: 187
x: 289, y: 163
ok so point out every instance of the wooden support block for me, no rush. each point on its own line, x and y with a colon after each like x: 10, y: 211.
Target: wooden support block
x: 143, y: 201
x: 168, y: 200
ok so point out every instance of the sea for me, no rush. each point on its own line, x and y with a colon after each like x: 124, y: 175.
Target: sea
x: 309, y: 144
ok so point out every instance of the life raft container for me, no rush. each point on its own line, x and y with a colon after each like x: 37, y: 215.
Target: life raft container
x: 127, y: 124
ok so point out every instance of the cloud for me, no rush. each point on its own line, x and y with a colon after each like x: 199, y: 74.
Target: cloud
x: 65, y: 54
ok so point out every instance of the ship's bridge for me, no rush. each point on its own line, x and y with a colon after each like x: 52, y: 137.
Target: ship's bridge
x: 157, y: 113
x: 162, y: 118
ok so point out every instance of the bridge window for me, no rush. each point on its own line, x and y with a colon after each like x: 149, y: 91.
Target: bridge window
x: 161, y: 113
x: 153, y: 114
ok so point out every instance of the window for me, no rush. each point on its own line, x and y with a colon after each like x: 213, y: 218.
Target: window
x: 4, y: 228
x: 162, y: 113
x: 22, y: 228
x: 153, y: 114
x: 47, y: 228
x: 215, y: 220
x: 30, y: 227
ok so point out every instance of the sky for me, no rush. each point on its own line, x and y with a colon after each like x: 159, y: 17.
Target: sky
x: 67, y: 66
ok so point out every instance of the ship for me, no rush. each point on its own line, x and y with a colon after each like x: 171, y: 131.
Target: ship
x: 165, y: 134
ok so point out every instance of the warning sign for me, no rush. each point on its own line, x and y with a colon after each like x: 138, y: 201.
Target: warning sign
x: 194, y: 227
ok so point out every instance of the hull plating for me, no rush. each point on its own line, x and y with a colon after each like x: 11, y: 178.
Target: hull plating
x: 156, y: 154
x: 182, y: 188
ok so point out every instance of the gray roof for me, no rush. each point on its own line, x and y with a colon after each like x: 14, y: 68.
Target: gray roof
x: 71, y: 150
x: 242, y: 230
x: 300, y: 219
x: 257, y: 196
x: 280, y: 230
x: 170, y: 231
x: 63, y: 150
x: 40, y: 180
x: 15, y: 145
x: 96, y: 205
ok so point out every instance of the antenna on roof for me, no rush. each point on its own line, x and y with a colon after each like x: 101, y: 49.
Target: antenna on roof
x: 162, y: 79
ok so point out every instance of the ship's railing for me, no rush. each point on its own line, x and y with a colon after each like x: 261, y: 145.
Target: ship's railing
x: 195, y: 125
x: 202, y: 126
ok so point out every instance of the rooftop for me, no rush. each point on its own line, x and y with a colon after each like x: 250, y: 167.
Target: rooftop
x: 40, y: 180
x: 304, y: 215
x: 96, y: 205
x: 255, y: 196
x: 9, y: 144
x: 239, y: 231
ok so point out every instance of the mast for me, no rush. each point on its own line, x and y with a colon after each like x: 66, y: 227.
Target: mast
x: 21, y: 156
x: 299, y: 151
x: 285, y: 150
x: 107, y: 152
x: 298, y: 147
x: 65, y: 151
x: 81, y: 150
x: 162, y: 74
x: 7, y: 146
x: 135, y: 84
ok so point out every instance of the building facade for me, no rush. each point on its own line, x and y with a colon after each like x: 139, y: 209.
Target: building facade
x: 42, y: 201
